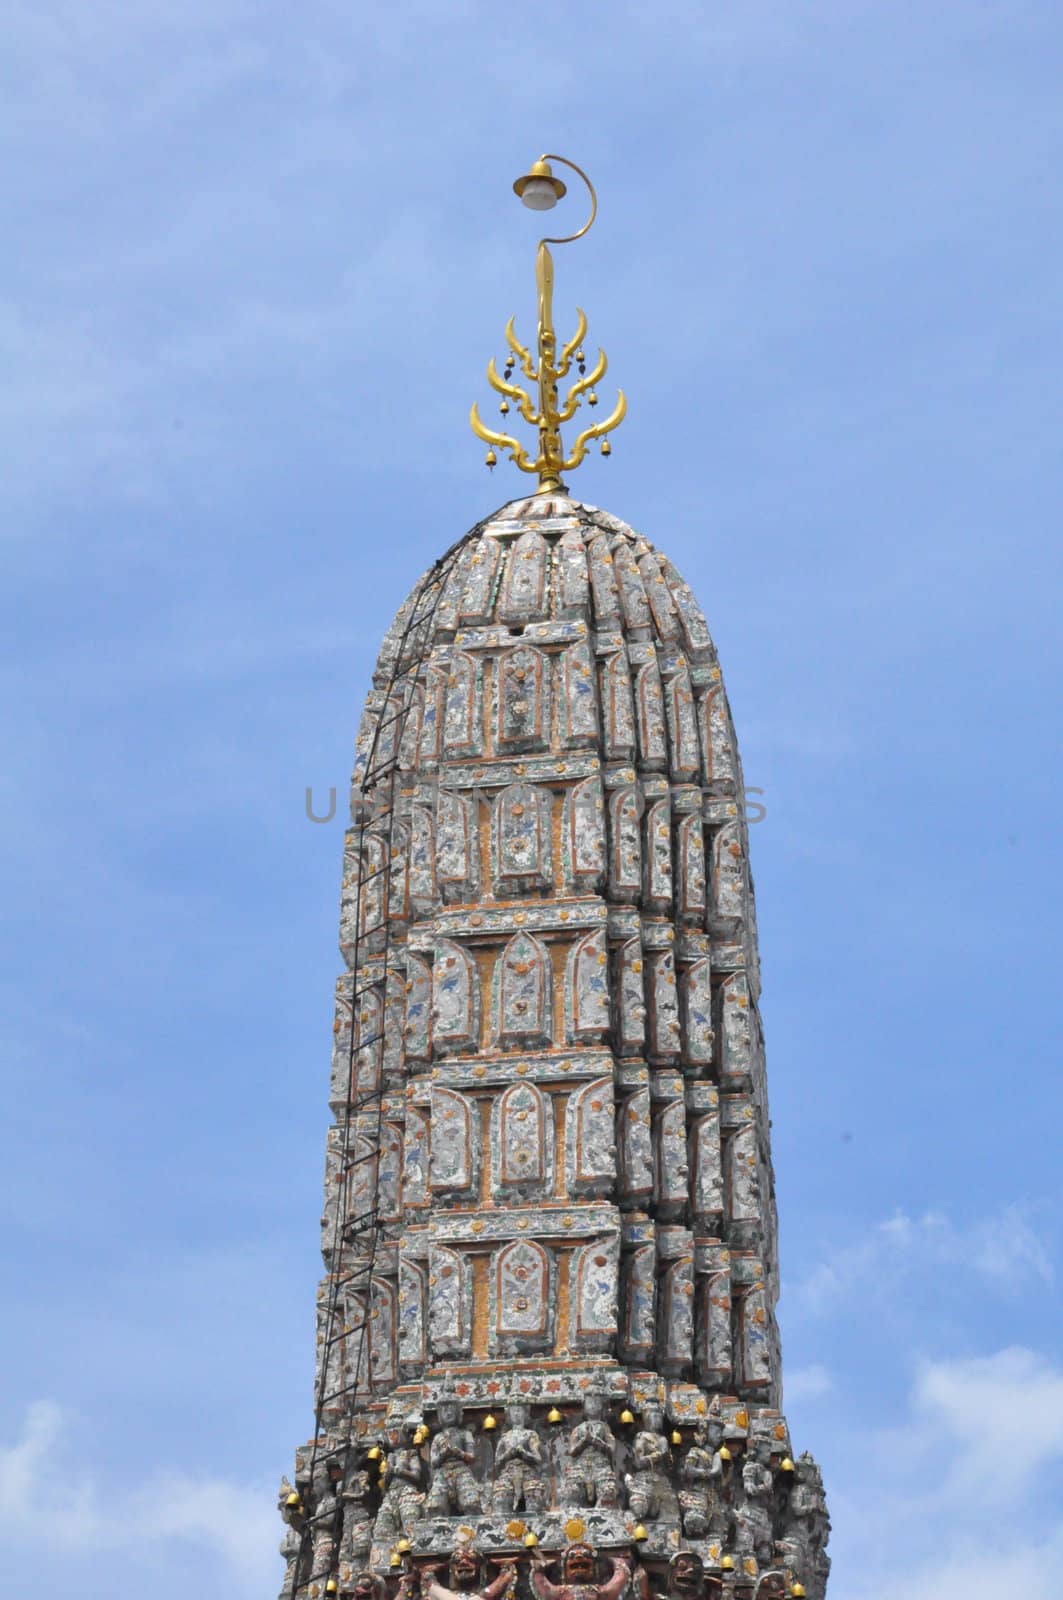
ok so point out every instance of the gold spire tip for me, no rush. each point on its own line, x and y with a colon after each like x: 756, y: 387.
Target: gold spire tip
x: 540, y: 190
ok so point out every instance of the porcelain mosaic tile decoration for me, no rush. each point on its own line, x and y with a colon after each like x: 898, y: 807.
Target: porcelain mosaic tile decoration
x: 548, y: 1316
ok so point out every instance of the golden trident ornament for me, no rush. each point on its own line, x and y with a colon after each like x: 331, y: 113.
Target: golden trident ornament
x: 540, y: 190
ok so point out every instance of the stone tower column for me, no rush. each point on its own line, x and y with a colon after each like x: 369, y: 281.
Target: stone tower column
x: 549, y: 1225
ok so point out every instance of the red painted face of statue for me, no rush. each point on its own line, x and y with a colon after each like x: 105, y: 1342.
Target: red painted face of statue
x: 579, y: 1564
x: 687, y: 1574
x: 464, y: 1569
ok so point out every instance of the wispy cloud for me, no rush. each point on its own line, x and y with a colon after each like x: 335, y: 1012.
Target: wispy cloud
x: 1004, y: 1249
x: 49, y: 1493
x: 977, y: 1451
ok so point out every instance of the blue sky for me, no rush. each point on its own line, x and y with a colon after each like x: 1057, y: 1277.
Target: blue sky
x: 257, y: 257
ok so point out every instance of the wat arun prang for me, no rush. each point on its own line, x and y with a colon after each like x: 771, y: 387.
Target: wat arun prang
x: 547, y: 1355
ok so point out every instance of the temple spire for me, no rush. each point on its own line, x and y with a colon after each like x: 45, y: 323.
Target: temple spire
x: 540, y: 190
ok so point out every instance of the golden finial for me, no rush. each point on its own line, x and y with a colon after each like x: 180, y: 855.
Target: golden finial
x: 539, y: 189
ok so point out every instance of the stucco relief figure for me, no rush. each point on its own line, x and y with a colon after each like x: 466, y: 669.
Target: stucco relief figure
x: 649, y: 1493
x: 357, y: 1522
x: 579, y: 1566
x: 464, y: 1577
x: 403, y: 1498
x: 703, y: 1499
x: 806, y: 1524
x: 590, y: 1476
x: 753, y: 1529
x: 772, y: 1586
x: 325, y: 1517
x: 519, y: 1481
x: 293, y: 1514
x: 687, y: 1580
x: 453, y: 1491
x: 362, y: 1585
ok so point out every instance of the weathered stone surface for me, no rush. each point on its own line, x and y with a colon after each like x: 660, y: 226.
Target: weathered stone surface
x: 549, y: 1223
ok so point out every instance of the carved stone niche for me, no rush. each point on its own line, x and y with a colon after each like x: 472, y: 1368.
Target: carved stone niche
x: 522, y: 1298
x: 638, y: 1291
x: 457, y: 846
x: 523, y: 994
x: 629, y: 1004
x: 455, y: 999
x: 590, y: 1149
x: 634, y: 1141
x: 754, y: 1333
x: 695, y: 1003
x: 618, y: 707
x: 454, y: 1163
x: 583, y: 836
x: 705, y: 1160
x: 449, y: 1302
x: 675, y: 1302
x: 523, y: 700
x: 742, y: 1172
x: 593, y: 1294
x: 463, y: 732
x: 671, y: 1185
x: 577, y: 701
x: 524, y: 590
x: 522, y: 1144
x: 713, y: 1358
x: 522, y: 840
x: 587, y: 1012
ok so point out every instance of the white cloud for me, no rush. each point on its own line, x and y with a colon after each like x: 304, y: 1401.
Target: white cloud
x: 960, y: 1503
x: 47, y: 1494
x: 1004, y: 1249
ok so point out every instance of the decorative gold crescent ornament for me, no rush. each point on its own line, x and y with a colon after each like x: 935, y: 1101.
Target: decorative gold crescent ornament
x: 539, y: 189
